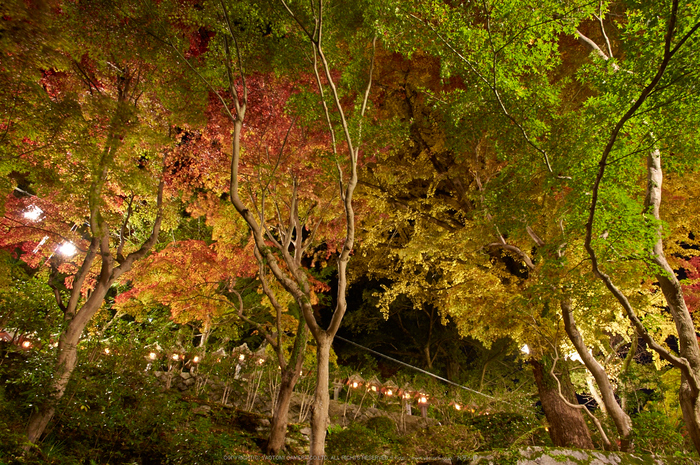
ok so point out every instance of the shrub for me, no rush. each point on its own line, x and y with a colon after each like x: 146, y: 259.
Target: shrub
x: 655, y: 433
x: 354, y: 440
x: 443, y: 441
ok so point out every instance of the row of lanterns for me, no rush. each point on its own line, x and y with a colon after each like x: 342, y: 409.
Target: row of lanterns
x: 354, y: 382
x: 389, y: 389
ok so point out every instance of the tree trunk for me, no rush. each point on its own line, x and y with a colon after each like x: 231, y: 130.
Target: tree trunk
x: 278, y: 428
x: 66, y: 358
x: 689, y: 394
x: 691, y: 412
x: 567, y: 427
x: 622, y: 421
x: 319, y: 417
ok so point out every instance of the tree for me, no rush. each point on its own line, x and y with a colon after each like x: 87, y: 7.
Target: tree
x: 103, y: 170
x: 663, y: 86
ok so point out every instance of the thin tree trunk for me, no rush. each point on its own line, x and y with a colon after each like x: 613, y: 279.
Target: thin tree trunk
x: 567, y: 427
x: 626, y: 368
x: 689, y: 395
x: 278, y: 428
x: 622, y: 421
x: 66, y: 359
x: 319, y: 416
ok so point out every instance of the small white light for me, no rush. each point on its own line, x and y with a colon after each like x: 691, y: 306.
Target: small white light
x: 33, y: 213
x: 196, y: 359
x: 241, y: 357
x: 261, y: 361
x: 423, y: 400
x: 525, y: 349
x: 26, y: 344
x: 107, y: 350
x: 374, y: 388
x: 152, y: 355
x: 67, y: 249
x: 458, y: 407
x: 354, y: 384
x: 176, y: 357
x: 389, y: 392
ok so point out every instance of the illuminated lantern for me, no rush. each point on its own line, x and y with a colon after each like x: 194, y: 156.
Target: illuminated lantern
x: 176, y: 357
x: 152, y: 355
x: 107, y: 350
x: 355, y: 381
x: 26, y: 344
x: 423, y: 403
x: 196, y: 359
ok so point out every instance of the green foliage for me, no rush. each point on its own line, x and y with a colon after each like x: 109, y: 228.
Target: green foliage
x: 443, y: 441
x: 503, y: 430
x: 656, y: 434
x: 355, y: 439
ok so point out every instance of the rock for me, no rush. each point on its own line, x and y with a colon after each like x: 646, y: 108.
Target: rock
x: 305, y: 431
x: 202, y: 410
x: 184, y: 375
x: 189, y: 382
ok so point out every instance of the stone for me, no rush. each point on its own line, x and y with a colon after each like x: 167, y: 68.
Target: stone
x: 184, y: 375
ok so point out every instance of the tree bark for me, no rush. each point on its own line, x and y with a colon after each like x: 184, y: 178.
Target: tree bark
x: 567, y: 427
x: 319, y: 417
x: 689, y: 394
x: 622, y: 421
x: 67, y: 356
x: 278, y: 428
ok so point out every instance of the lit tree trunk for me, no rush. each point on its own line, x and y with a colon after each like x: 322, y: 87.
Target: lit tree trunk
x: 280, y: 420
x: 567, y: 427
x: 65, y: 364
x: 290, y: 375
x: 319, y: 416
x: 689, y: 394
x: 621, y: 419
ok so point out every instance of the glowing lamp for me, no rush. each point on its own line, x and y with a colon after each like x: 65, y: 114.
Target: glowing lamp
x: 67, y: 249
x: 196, y: 359
x: 374, y: 388
x: 423, y: 400
x: 176, y: 357
x: 355, y: 384
x: 406, y: 396
x: 26, y: 344
x: 241, y: 357
x: 389, y: 392
x: 261, y: 361
x: 33, y: 213
x: 152, y: 355
x: 458, y: 407
x: 525, y: 349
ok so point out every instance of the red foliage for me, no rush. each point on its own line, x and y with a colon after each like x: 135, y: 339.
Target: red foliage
x: 53, y: 82
x: 199, y: 42
x: 691, y: 288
